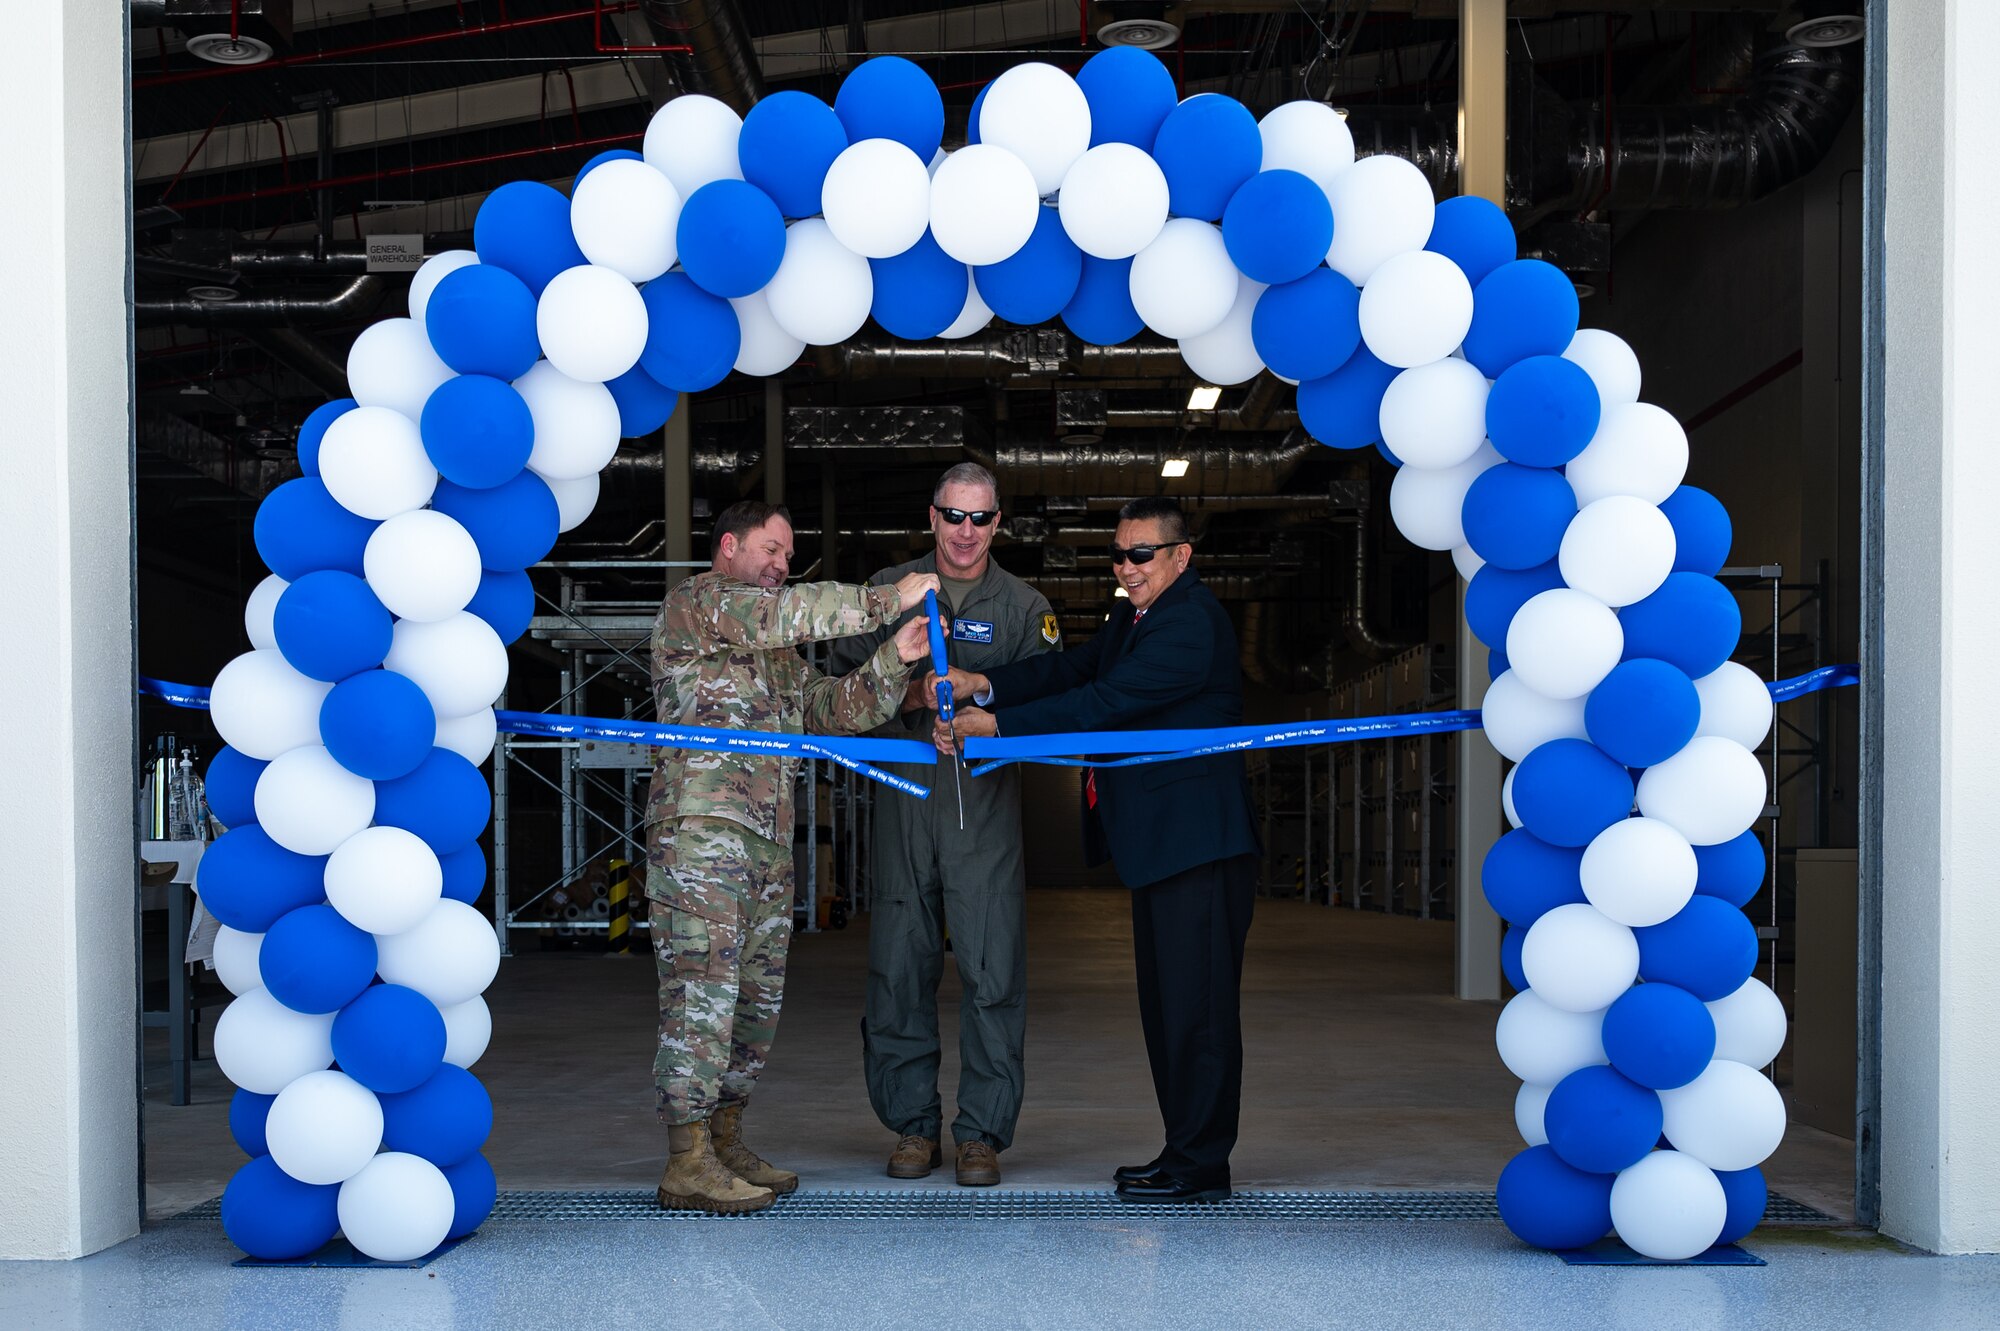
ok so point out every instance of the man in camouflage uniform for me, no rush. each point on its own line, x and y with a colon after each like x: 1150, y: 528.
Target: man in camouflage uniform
x: 719, y: 826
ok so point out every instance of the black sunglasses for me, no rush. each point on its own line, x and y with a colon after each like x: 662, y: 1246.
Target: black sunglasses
x: 981, y: 517
x: 1141, y: 554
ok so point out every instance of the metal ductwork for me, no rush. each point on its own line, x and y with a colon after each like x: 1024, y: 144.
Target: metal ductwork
x: 1127, y: 466
x: 1267, y: 657
x: 1083, y: 591
x: 723, y: 61
x: 1019, y: 355
x: 356, y: 300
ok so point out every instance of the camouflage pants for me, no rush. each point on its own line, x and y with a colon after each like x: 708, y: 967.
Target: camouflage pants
x: 720, y: 940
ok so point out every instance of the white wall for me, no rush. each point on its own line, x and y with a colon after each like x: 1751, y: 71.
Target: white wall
x: 68, y: 1105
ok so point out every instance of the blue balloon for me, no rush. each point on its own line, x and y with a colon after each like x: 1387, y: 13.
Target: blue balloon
x: 608, y: 155
x: 1207, y: 147
x: 644, y: 404
x: 481, y: 320
x: 1496, y: 664
x: 523, y: 227
x: 1307, y: 329
x: 248, y: 881
x: 1568, y: 790
x: 920, y: 292
x: 1036, y: 282
x: 329, y: 626
x: 1542, y: 411
x: 1510, y: 958
x: 1702, y: 531
x: 473, y: 1192
x: 1344, y: 409
x: 1547, y: 1204
x: 300, y: 527
x: 1474, y: 234
x: 1692, y: 622
x: 1515, y: 516
x: 731, y: 238
x: 313, y: 960
x: 389, y: 1039
x: 692, y: 337
x: 1644, y: 712
x: 477, y: 431
x: 1708, y: 949
x: 1601, y: 1122
x: 230, y: 785
x: 1525, y: 878
x: 378, y: 724
x: 1659, y: 1035
x: 888, y: 97
x: 1101, y: 312
x: 1523, y: 308
x: 1496, y: 594
x: 444, y: 801
x: 1131, y: 93
x: 274, y: 1217
x: 1732, y: 871
x: 972, y: 116
x: 1747, y: 1195
x: 313, y: 429
x: 445, y: 1120
x: 1277, y: 227
x: 506, y: 601
x: 464, y: 873
x: 514, y: 525
x: 248, y: 1113
x: 788, y: 141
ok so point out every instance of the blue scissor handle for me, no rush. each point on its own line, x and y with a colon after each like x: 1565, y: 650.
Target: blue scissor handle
x: 940, y: 666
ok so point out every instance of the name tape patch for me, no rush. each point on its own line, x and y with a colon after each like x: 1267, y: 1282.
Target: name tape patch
x: 971, y: 630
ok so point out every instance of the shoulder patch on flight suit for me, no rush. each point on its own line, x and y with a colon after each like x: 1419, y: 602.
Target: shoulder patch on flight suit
x: 1051, y: 631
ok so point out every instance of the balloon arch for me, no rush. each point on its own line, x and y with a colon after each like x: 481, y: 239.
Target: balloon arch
x: 478, y: 425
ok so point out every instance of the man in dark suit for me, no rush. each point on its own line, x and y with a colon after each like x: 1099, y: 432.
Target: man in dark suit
x: 1180, y: 833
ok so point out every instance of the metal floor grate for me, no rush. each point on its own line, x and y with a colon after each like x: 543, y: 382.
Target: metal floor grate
x: 865, y: 1204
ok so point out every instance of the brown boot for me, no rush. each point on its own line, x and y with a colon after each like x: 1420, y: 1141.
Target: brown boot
x: 978, y: 1165
x: 726, y: 1130
x: 914, y: 1157
x: 696, y: 1181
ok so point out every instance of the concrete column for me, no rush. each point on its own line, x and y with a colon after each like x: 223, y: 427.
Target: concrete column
x: 69, y: 1102
x: 774, y: 440
x: 1939, y: 786
x: 679, y: 476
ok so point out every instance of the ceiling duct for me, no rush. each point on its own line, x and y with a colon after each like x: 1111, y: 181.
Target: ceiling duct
x: 1020, y: 356
x: 722, y: 62
x: 356, y: 300
x: 1040, y: 465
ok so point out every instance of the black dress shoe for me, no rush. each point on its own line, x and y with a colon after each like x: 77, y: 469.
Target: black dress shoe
x: 1162, y: 1187
x: 1131, y: 1173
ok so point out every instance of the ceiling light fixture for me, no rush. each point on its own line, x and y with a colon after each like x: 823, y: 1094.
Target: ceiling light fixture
x: 1204, y: 398
x: 1824, y: 28
x: 219, y: 48
x: 1174, y: 468
x: 213, y: 295
x: 1340, y: 111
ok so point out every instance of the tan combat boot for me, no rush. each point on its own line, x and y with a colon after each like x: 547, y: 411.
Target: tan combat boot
x: 914, y: 1157
x: 726, y: 1129
x: 978, y: 1165
x: 696, y: 1181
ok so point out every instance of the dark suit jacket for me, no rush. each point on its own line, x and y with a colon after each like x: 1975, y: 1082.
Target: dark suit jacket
x: 1177, y: 669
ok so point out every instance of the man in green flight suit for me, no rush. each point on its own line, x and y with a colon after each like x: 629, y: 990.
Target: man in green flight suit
x: 930, y: 876
x: 719, y: 825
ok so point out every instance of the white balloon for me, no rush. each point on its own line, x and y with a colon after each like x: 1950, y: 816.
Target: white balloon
x: 373, y: 463
x: 236, y: 954
x: 1750, y: 1025
x: 1530, y: 1102
x: 1415, y: 309
x: 1710, y: 792
x: 460, y: 663
x: 766, y: 348
x: 1618, y: 549
x: 308, y: 803
x: 1382, y: 207
x: 1517, y: 720
x: 1467, y: 561
x: 392, y: 365
x: 626, y: 216
x: 384, y: 880
x: 822, y: 290
x: 1542, y: 1044
x: 448, y: 956
x: 1435, y: 415
x: 576, y: 423
x: 1579, y: 960
x: 1610, y: 363
x: 263, y: 1046
x: 1639, y: 872
x: 1037, y: 112
x: 1225, y: 354
x: 1507, y: 798
x: 877, y: 198
x: 262, y: 707
x: 468, y: 1028
x: 1730, y: 1117
x: 1563, y: 642
x: 399, y: 1207
x: 1639, y: 449
x: 435, y: 269
x: 259, y: 609
x: 324, y: 1128
x: 975, y: 316
x: 692, y: 141
x: 470, y: 736
x: 591, y: 322
x: 422, y: 565
x: 1669, y: 1207
x: 1735, y: 704
x: 574, y: 499
x: 1309, y: 138
x: 1184, y: 283
x: 1114, y: 201
x: 984, y: 204
x: 1426, y: 503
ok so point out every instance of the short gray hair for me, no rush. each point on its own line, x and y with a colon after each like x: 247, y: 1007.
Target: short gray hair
x: 966, y: 473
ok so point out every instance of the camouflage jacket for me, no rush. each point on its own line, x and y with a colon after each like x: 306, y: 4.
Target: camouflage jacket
x: 725, y: 653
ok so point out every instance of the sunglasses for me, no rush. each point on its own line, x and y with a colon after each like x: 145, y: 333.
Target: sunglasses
x: 1141, y: 554
x: 981, y: 517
